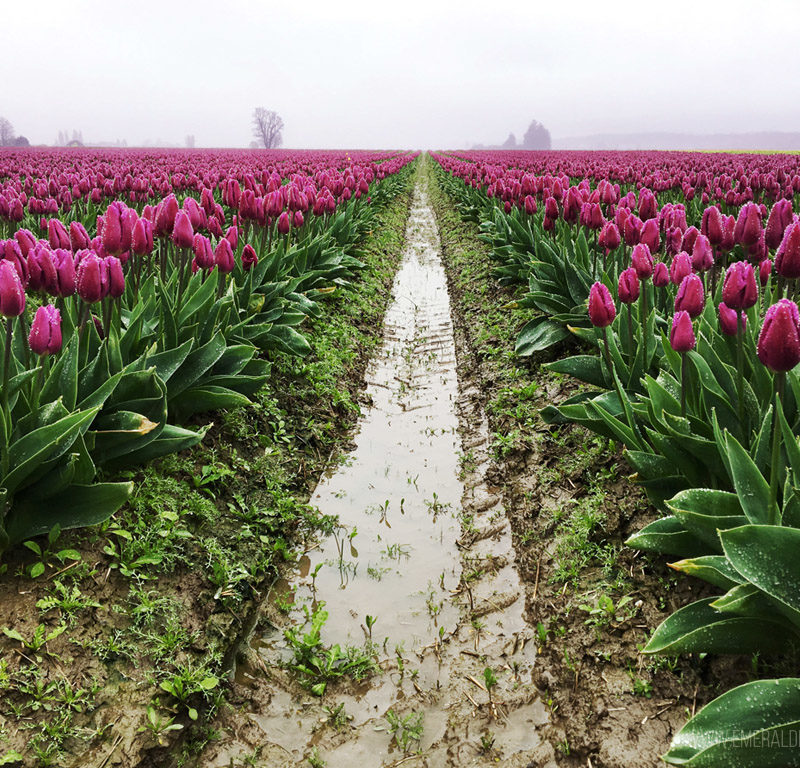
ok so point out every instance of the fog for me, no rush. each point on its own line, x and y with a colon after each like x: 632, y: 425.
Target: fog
x: 418, y: 73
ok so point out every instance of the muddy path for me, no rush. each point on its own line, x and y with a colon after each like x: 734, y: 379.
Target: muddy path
x: 571, y: 504
x: 419, y: 578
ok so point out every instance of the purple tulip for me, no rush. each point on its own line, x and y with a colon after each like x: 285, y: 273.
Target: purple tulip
x: 182, y: 232
x: 66, y: 279
x: 223, y: 256
x: 739, y: 291
x: 628, y: 286
x: 660, y: 275
x: 681, y: 336
x: 728, y: 320
x: 780, y: 217
x: 681, y: 267
x: 12, y: 294
x: 690, y: 297
x: 203, y: 252
x: 702, y: 254
x: 601, y: 306
x: 45, y: 335
x: 748, y: 225
x: 641, y: 260
x: 249, y: 258
x: 787, y: 260
x: 116, y: 277
x: 92, y: 277
x: 779, y: 339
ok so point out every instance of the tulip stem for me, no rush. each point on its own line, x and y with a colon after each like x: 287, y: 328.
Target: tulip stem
x: 740, y: 374
x: 7, y: 369
x: 684, y: 374
x: 773, y: 511
x: 630, y: 332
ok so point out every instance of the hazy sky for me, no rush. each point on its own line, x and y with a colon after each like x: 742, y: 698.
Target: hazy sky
x: 410, y: 73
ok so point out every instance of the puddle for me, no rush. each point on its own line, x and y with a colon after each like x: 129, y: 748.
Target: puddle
x: 425, y: 548
x: 397, y: 495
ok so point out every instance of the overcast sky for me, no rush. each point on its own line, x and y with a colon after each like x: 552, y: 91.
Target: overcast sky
x: 406, y: 73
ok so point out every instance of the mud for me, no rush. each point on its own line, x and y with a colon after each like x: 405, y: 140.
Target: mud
x: 448, y: 602
x: 608, y: 706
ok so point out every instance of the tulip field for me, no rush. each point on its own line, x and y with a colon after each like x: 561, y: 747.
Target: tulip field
x: 677, y: 276
x: 140, y: 291
x: 160, y: 313
x: 146, y: 293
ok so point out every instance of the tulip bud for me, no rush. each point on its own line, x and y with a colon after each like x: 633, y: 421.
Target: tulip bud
x: 681, y: 267
x: 92, y: 277
x: 114, y: 228
x: 780, y: 217
x: 66, y: 278
x: 764, y: 271
x: 601, y: 306
x: 729, y: 226
x: 650, y: 236
x: 748, y: 226
x: 42, y: 269
x: 787, y: 260
x: 203, y: 252
x: 232, y: 236
x: 78, y: 236
x: 57, y: 234
x: 223, y: 256
x: 26, y: 241
x: 674, y: 241
x: 690, y: 297
x: 632, y: 230
x: 45, y: 335
x: 739, y: 289
x: 689, y: 236
x: 681, y: 336
x: 609, y: 237
x: 660, y: 275
x: 12, y: 294
x: 182, y: 233
x: 648, y: 206
x: 142, y: 237
x: 249, y: 258
x: 779, y: 339
x: 702, y: 255
x: 641, y: 260
x: 116, y: 277
x: 165, y: 216
x: 728, y: 320
x: 712, y: 225
x: 529, y: 205
x: 10, y: 251
x: 628, y: 286
x: 284, y: 225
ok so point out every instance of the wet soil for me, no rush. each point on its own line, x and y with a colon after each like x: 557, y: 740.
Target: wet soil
x: 81, y: 697
x: 432, y: 560
x: 607, y: 705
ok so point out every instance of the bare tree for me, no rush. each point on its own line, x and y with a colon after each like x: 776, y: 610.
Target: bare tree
x: 6, y: 132
x: 536, y: 137
x: 267, y: 127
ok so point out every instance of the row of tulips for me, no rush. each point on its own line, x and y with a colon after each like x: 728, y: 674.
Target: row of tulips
x: 695, y: 374
x: 170, y: 309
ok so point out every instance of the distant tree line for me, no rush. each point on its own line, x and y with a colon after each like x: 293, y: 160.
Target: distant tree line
x: 8, y: 137
x: 536, y: 137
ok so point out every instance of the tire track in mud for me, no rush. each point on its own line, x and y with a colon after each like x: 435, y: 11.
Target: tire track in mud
x: 437, y: 571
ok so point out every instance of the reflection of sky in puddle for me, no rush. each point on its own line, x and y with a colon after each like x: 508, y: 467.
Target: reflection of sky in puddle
x: 397, y: 495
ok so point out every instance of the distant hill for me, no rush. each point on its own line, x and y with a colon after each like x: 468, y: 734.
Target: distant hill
x: 763, y: 140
